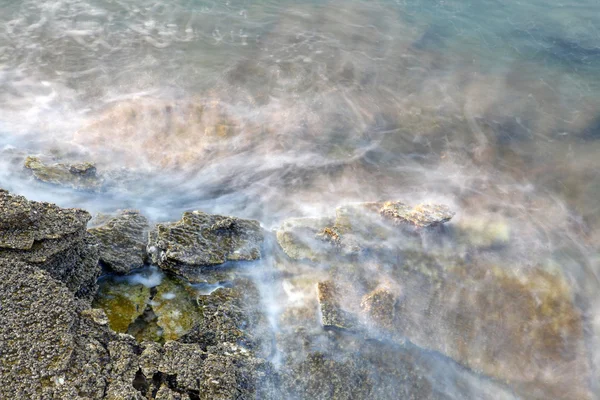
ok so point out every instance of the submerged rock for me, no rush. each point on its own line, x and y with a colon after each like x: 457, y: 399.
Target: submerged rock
x: 483, y: 232
x: 148, y: 305
x: 332, y: 313
x: 80, y: 176
x: 175, y: 307
x: 122, y: 241
x: 388, y: 275
x: 298, y: 237
x: 202, y: 240
x: 357, y: 228
x: 421, y: 216
x: 513, y: 325
x: 122, y: 302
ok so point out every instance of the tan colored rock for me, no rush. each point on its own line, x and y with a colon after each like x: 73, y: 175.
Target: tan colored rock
x: 81, y: 176
x: 518, y: 325
x: 356, y: 228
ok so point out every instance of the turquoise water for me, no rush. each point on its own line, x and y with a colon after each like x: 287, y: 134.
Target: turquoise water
x: 272, y: 109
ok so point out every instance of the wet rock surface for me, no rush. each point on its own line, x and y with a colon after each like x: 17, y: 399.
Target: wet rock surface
x: 378, y: 309
x: 201, y: 240
x: 50, y: 238
x: 391, y: 275
x: 356, y: 228
x: 55, y: 346
x: 122, y: 241
x: 80, y: 176
x: 123, y: 302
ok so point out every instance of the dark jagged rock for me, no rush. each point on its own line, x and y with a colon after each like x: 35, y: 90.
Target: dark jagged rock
x: 24, y: 223
x: 165, y: 393
x: 80, y: 176
x: 203, y: 240
x: 49, y: 237
x: 54, y: 346
x: 49, y: 348
x: 36, y: 317
x: 122, y: 241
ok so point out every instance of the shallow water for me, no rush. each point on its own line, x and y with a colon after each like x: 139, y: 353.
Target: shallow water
x: 274, y: 109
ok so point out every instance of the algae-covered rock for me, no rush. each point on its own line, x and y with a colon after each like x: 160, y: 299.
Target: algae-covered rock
x: 81, y: 176
x: 122, y: 302
x: 122, y: 241
x: 175, y: 307
x: 203, y: 240
x: 149, y: 305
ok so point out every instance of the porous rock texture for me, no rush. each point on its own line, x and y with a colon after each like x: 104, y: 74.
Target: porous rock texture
x: 122, y: 241
x: 55, y: 346
x: 201, y: 240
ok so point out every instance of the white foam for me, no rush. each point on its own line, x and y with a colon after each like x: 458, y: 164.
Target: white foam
x: 149, y: 278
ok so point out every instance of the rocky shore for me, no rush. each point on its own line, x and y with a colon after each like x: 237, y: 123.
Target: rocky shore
x: 372, y: 303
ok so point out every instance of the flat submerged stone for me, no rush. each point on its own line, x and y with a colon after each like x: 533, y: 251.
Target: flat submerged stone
x: 80, y: 176
x: 356, y: 227
x: 391, y: 275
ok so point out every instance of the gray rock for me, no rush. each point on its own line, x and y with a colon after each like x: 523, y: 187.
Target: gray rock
x: 164, y: 393
x: 202, y: 240
x: 36, y: 343
x: 122, y: 241
x: 51, y: 238
x: 80, y: 176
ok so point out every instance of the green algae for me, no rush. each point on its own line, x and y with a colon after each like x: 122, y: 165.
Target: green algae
x: 175, y: 307
x: 165, y: 312
x: 122, y: 302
